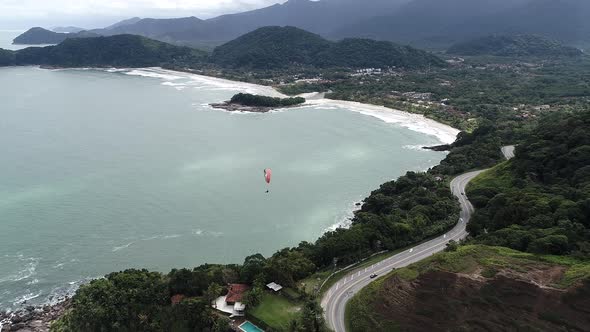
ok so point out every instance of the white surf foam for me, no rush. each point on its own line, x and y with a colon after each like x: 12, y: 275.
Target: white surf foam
x: 125, y: 246
x: 415, y: 122
x: 29, y: 269
x: 211, y: 82
x: 345, y: 221
x: 152, y: 74
x: 199, y: 232
x: 26, y: 297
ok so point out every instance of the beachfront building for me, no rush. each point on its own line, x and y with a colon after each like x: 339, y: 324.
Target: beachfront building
x: 232, y: 302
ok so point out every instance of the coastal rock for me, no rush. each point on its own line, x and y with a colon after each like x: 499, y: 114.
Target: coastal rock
x: 231, y: 107
x: 24, y: 330
x: 34, y: 319
x: 438, y: 148
x: 17, y: 327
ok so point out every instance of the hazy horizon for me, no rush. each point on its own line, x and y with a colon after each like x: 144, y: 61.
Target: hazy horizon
x: 89, y: 14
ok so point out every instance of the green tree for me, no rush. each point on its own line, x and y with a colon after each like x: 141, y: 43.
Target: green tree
x: 213, y: 292
x: 253, y: 266
x: 222, y: 324
x: 312, y: 316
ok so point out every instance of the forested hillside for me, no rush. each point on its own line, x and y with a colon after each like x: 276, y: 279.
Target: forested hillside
x: 441, y: 23
x: 519, y: 45
x: 367, y: 53
x: 540, y: 201
x: 117, y: 51
x: 281, y: 47
x: 39, y: 36
x: 271, y: 47
x: 6, y: 57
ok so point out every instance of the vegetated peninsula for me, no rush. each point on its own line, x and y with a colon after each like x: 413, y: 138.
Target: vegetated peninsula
x: 518, y: 45
x: 40, y: 36
x: 117, y: 51
x: 281, y: 47
x: 245, y: 102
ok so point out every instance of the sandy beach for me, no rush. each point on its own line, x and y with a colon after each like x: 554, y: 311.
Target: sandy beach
x: 415, y: 122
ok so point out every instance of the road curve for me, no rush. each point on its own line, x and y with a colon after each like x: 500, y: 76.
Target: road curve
x: 335, y: 298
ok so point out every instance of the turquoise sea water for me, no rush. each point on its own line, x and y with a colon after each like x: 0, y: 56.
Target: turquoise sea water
x: 102, y: 171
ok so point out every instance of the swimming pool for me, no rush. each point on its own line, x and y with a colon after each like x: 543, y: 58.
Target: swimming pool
x: 247, y: 326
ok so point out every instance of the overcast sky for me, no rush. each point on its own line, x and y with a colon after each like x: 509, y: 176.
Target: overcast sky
x: 21, y: 14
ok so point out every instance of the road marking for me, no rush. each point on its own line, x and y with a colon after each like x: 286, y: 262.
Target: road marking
x: 335, y: 311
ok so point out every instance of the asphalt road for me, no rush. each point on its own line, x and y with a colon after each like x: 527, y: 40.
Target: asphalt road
x: 335, y: 299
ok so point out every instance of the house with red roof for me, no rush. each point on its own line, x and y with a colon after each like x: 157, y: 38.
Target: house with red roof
x: 232, y: 302
x: 235, y: 293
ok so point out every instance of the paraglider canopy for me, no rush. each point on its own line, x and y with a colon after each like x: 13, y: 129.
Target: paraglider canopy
x: 267, y: 175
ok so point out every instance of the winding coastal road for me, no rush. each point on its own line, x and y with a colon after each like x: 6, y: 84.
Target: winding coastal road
x: 335, y: 298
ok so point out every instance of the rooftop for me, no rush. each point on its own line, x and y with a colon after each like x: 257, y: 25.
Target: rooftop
x: 236, y: 292
x: 274, y: 286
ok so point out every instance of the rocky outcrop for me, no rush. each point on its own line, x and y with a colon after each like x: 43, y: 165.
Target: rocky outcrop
x: 32, y: 319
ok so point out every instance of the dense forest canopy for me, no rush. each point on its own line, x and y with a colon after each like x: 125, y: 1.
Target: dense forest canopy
x: 270, y: 47
x: 518, y: 45
x: 540, y: 201
x: 280, y: 47
x: 118, y: 51
x: 265, y: 48
x: 264, y: 101
x: 367, y: 53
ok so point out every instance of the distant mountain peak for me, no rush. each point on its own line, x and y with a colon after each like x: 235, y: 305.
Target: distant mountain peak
x: 280, y: 47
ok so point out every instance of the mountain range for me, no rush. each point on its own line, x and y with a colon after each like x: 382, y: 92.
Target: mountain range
x: 268, y: 47
x: 281, y: 47
x: 435, y: 23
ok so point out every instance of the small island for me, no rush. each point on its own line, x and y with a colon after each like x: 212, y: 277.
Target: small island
x: 245, y: 102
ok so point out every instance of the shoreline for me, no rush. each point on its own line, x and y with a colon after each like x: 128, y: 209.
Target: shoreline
x: 239, y: 108
x: 34, y: 318
x: 414, y: 122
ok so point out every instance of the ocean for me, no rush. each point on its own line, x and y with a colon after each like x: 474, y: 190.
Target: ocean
x: 104, y: 170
